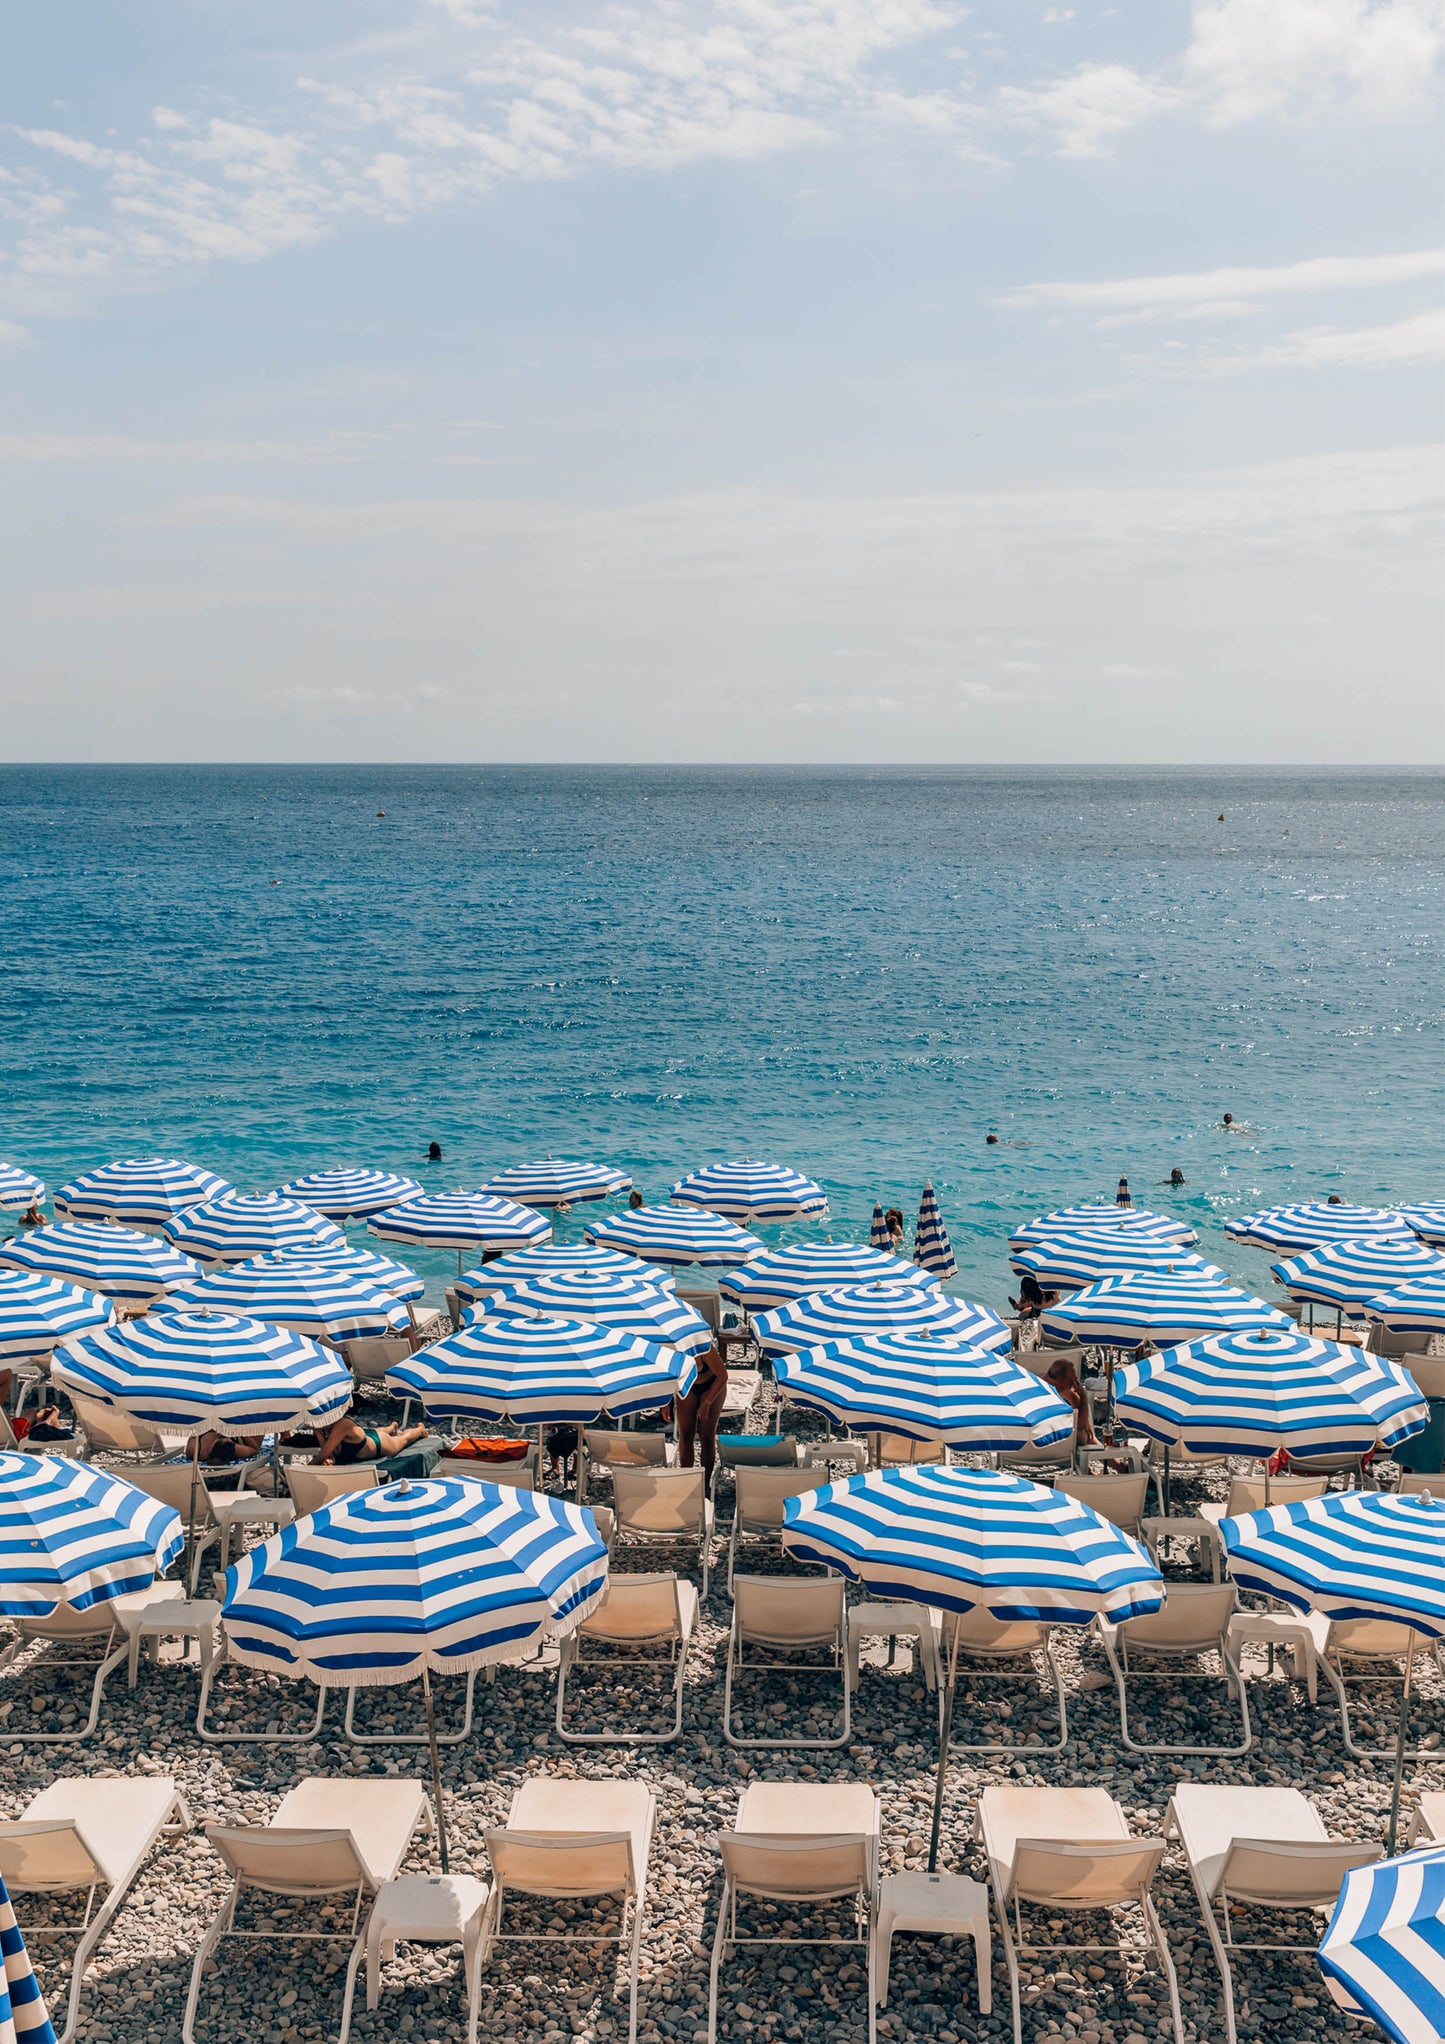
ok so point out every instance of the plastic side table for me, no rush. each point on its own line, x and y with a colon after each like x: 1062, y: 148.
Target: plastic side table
x: 431, y: 1909
x: 949, y: 1905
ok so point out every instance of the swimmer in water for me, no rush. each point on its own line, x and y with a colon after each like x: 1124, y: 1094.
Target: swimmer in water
x: 990, y: 1139
x: 634, y: 1199
x: 1176, y: 1177
x: 434, y: 1153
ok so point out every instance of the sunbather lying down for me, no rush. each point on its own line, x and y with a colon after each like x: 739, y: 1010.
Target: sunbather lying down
x: 404, y: 1451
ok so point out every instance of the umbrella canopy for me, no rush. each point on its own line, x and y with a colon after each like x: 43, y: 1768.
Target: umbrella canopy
x: 72, y: 1534
x: 674, y: 1235
x: 24, y: 2018
x: 144, y: 1191
x: 1350, y: 1554
x: 1251, y: 1393
x: 1383, y: 1955
x: 191, y: 1373
x: 1315, y: 1226
x: 556, y: 1259
x: 878, y: 1235
x: 620, y: 1303
x: 37, y: 1311
x: 850, y: 1310
x: 932, y: 1250
x: 558, y: 1182
x: 239, y: 1224
x: 460, y: 1220
x: 1072, y: 1261
x: 344, y: 1195
x: 1158, y: 1306
x: 1348, y: 1275
x: 746, y: 1190
x: 18, y: 1190
x: 535, y: 1369
x: 928, y: 1387
x: 1116, y: 1220
x: 311, y: 1298
x: 382, y: 1272
x: 124, y: 1263
x: 775, y: 1276
x: 1416, y: 1308
x: 1427, y: 1218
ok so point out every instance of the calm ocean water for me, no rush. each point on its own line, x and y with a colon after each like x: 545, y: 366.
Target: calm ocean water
x: 860, y: 972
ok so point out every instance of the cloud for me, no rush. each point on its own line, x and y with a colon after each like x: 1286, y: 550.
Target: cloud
x: 1404, y: 344
x: 1190, y: 294
x: 1091, y: 107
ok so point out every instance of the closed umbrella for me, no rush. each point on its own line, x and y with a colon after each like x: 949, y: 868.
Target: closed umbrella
x: 558, y: 1182
x: 326, y: 1301
x: 1158, y: 1306
x: 748, y: 1191
x: 1114, y: 1220
x: 143, y: 1191
x: 621, y: 1303
x: 876, y: 1309
x: 556, y: 1259
x: 24, y: 2018
x: 932, y: 1250
x: 674, y: 1235
x: 1315, y: 1226
x: 351, y: 1193
x: 37, y: 1312
x: 238, y: 1225
x: 1069, y: 1262
x: 1347, y: 1275
x: 878, y: 1235
x: 542, y: 1369
x: 124, y: 1263
x: 19, y: 1191
x: 462, y: 1221
x: 74, y: 1534
x: 1383, y: 1956
x: 774, y: 1276
x: 927, y: 1387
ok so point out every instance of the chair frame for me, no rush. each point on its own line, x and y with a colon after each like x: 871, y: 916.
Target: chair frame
x: 1379, y: 1667
x: 745, y: 1528
x: 670, y: 1535
x: 115, y: 1645
x: 406, y: 1738
x: 737, y: 1663
x: 216, y: 1737
x: 864, y: 1893
x: 679, y: 1644
x: 963, y: 1654
x: 1119, y: 1648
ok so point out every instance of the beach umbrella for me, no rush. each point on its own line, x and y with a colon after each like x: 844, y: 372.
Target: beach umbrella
x: 18, y: 1190
x: 620, y: 1303
x: 774, y: 1276
x: 317, y: 1299
x: 1351, y: 1554
x: 1073, y: 1261
x: 1156, y: 1305
x: 1427, y: 1219
x: 37, y: 1312
x: 878, y: 1235
x: 1347, y: 1275
x: 413, y: 1578
x: 1383, y: 1956
x: 536, y: 1369
x: 143, y: 1191
x: 558, y: 1182
x: 1315, y: 1226
x: 674, y: 1235
x: 556, y: 1259
x: 849, y: 1310
x: 966, y: 1539
x: 932, y: 1250
x: 462, y: 1221
x: 238, y: 1225
x: 1415, y: 1308
x: 928, y: 1387
x: 24, y: 2018
x: 748, y: 1191
x: 347, y: 1194
x: 124, y: 1263
x: 74, y: 1534
x: 383, y: 1272
x: 1114, y: 1220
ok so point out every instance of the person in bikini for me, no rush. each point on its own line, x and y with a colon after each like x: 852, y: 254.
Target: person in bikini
x: 698, y: 1413
x: 346, y: 1442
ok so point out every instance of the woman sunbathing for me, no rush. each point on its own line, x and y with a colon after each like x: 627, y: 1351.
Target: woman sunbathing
x: 346, y: 1442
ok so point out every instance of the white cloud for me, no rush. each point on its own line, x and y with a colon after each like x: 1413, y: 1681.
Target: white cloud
x: 1232, y: 291
x: 1095, y: 104
x: 1405, y: 343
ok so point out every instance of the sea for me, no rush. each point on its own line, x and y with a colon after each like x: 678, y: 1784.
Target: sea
x: 861, y: 972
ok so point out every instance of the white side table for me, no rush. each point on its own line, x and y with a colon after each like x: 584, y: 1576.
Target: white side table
x: 949, y: 1905
x: 185, y: 1619
x: 247, y: 1508
x: 890, y: 1622
x: 431, y: 1909
x: 1303, y: 1633
x: 1203, y: 1531
x: 823, y: 1454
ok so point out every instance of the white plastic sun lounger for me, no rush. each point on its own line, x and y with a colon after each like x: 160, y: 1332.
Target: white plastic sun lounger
x: 657, y: 1612
x: 98, y: 1623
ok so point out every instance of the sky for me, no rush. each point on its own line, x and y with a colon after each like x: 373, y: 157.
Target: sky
x: 765, y: 380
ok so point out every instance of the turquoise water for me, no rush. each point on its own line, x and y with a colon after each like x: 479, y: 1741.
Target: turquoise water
x: 860, y: 972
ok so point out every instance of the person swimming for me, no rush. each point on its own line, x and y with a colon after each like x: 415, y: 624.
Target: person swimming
x: 434, y: 1153
x: 1176, y: 1177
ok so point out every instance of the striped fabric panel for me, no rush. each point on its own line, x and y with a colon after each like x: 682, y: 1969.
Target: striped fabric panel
x: 746, y: 1190
x: 124, y: 1263
x: 1427, y: 1218
x: 1350, y: 1554
x: 312, y: 1298
x: 73, y: 1534
x: 37, y: 1311
x: 238, y: 1225
x: 460, y: 1220
x: 535, y: 1369
x: 928, y: 1387
x: 622, y: 1304
x: 24, y: 2018
x: 1416, y: 1308
x: 778, y: 1275
x: 1384, y: 1952
x: 144, y: 1191
x: 1349, y: 1274
x: 558, y: 1182
x: 674, y: 1235
x: 878, y: 1235
x: 556, y: 1259
x: 932, y: 1250
x: 1157, y: 1306
x: 344, y: 1195
x: 850, y: 1310
x: 1313, y: 1227
x: 383, y: 1273
x: 1118, y: 1220
x: 1076, y: 1260
x: 18, y: 1189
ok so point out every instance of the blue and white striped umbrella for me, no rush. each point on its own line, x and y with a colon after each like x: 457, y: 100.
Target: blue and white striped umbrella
x: 382, y: 1272
x: 1315, y: 1226
x: 849, y: 1310
x: 878, y: 1235
x: 1427, y: 1218
x: 932, y: 1250
x: 1348, y: 1275
x: 37, y: 1311
x: 1249, y: 1394
x: 143, y: 1191
x: 674, y: 1235
x: 124, y: 1263
x: 967, y: 1539
x: 556, y: 1259
x: 442, y: 1576
x: 1159, y: 1306
x: 24, y: 2018
x: 18, y: 1190
x: 460, y: 1221
x: 621, y: 1303
x: 187, y: 1373
x: 73, y: 1534
x: 1072, y: 1261
x: 239, y: 1225
x: 928, y: 1387
x: 1416, y: 1308
x: 1116, y: 1220
x: 558, y: 1182
x: 344, y: 1195
x: 316, y: 1299
x: 1350, y: 1554
x: 748, y: 1191
x: 775, y: 1276
x: 533, y: 1369
x: 1383, y: 1955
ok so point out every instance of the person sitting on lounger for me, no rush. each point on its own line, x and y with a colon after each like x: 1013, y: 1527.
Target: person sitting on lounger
x: 406, y: 1451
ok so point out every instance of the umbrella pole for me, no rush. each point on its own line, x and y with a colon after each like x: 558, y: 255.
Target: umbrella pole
x: 1400, y: 1739
x: 945, y: 1729
x: 1168, y: 1500
x: 191, y: 1515
x: 436, y: 1767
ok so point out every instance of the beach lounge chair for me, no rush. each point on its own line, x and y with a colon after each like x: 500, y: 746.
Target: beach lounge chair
x: 1192, y: 1623
x: 759, y: 1506
x: 1376, y: 1651
x: 304, y: 1853
x: 1066, y: 1849
x: 1119, y: 1499
x: 744, y: 1389
x: 370, y: 1356
x: 610, y: 1448
x: 91, y: 1833
x: 657, y: 1612
x: 1039, y: 1464
x: 801, y: 1844
x: 1247, y: 1494
x: 1257, y: 1848
x: 173, y: 1485
x: 993, y: 1649
x: 518, y: 1471
x: 1183, y: 1462
x: 111, y: 1435
x: 568, y: 1840
x: 312, y: 1488
x: 757, y: 1451
x: 787, y: 1615
x: 1427, y: 1826
x: 901, y: 1451
x: 1418, y: 1483
x: 664, y: 1505
x: 100, y: 1626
